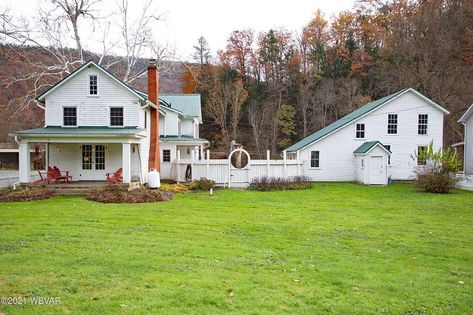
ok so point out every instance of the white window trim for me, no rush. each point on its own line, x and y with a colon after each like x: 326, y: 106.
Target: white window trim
x: 310, y: 161
x: 364, y: 132
x: 427, y: 127
x: 88, y: 85
x: 170, y: 156
x: 110, y: 117
x: 397, y: 126
x: 62, y: 116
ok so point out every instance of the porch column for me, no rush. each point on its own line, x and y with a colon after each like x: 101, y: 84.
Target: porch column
x: 126, y: 161
x: 24, y: 162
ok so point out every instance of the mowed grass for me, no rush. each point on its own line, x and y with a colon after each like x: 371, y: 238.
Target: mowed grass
x: 338, y: 248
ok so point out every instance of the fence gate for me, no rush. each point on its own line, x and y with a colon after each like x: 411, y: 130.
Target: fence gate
x: 239, y: 168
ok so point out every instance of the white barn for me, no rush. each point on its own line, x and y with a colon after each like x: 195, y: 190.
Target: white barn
x: 95, y: 124
x: 374, y: 142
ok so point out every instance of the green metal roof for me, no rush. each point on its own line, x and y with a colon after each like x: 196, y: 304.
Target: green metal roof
x: 79, y: 131
x: 341, y: 122
x: 368, y: 145
x: 181, y: 138
x: 187, y: 104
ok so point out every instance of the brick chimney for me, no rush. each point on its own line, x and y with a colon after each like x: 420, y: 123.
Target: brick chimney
x: 154, y: 161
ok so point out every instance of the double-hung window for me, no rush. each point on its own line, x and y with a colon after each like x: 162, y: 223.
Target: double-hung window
x: 360, y: 131
x: 392, y: 124
x: 315, y: 159
x: 93, y: 84
x: 70, y: 116
x: 421, y: 150
x: 116, y: 116
x: 423, y: 122
x: 166, y: 155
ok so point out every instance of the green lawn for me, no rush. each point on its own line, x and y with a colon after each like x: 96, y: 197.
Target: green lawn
x: 338, y: 248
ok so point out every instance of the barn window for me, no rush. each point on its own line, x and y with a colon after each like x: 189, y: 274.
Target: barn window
x: 70, y: 116
x: 423, y: 121
x: 362, y: 163
x: 392, y: 124
x: 116, y: 116
x: 360, y: 131
x: 93, y: 84
x: 166, y: 155
x: 421, y: 150
x: 314, y: 159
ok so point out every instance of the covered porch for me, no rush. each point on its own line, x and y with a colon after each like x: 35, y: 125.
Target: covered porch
x: 86, y: 157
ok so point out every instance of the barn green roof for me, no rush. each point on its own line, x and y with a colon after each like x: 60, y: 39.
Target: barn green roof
x: 181, y: 138
x: 342, y: 122
x: 368, y: 145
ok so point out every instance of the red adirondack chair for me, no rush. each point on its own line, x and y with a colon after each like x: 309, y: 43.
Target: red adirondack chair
x: 46, y: 178
x: 64, y: 175
x: 115, y: 178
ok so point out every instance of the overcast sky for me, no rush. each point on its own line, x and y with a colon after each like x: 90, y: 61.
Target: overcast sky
x: 186, y: 20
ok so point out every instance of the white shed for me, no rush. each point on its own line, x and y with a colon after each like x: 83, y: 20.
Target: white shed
x: 371, y: 160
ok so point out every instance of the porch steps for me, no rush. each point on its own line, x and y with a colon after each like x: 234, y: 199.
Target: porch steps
x: 75, y: 188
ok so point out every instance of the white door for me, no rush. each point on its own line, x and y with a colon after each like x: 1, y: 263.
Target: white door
x: 92, y: 162
x: 377, y: 171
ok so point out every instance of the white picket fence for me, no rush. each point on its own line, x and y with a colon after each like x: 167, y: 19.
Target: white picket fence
x: 225, y: 174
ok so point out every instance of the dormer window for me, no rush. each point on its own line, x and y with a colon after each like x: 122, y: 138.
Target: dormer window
x: 93, y: 84
x: 69, y: 116
x: 116, y: 116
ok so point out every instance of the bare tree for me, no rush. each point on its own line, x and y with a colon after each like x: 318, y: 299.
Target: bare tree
x: 257, y: 117
x: 224, y: 107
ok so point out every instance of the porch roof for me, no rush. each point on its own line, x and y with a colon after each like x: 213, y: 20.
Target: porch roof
x: 181, y: 139
x: 81, y: 131
x: 368, y: 145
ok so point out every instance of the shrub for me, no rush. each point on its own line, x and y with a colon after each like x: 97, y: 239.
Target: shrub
x: 438, y: 175
x: 119, y: 194
x: 174, y: 188
x: 201, y: 184
x: 277, y: 183
x: 26, y: 194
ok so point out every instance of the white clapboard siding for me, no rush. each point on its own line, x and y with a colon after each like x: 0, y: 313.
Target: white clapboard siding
x: 468, y: 154
x: 92, y: 110
x: 337, y: 162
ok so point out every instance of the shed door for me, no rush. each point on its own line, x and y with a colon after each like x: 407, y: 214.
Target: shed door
x: 377, y: 171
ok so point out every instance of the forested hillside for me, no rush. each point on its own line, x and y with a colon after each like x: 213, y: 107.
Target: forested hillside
x: 277, y: 87
x: 268, y: 90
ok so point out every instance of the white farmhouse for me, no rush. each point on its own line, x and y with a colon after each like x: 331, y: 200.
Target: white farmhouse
x: 375, y: 142
x: 467, y: 120
x: 95, y: 124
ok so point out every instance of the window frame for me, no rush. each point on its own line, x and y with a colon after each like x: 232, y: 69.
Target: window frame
x: 316, y: 160
x: 422, y: 123
x: 360, y: 131
x: 166, y: 155
x: 392, y: 124
x: 421, y: 162
x: 63, y: 116
x: 89, y: 85
x: 110, y: 117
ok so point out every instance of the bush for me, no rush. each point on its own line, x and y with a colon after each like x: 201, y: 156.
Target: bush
x: 277, y: 183
x: 174, y: 188
x: 119, y: 194
x: 439, y: 174
x: 26, y: 194
x: 201, y: 184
